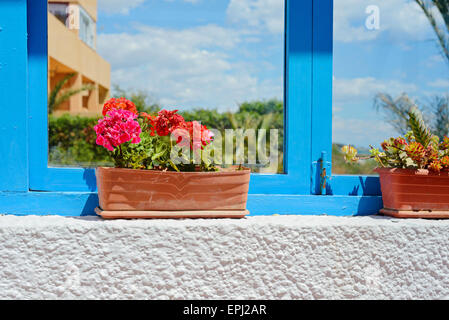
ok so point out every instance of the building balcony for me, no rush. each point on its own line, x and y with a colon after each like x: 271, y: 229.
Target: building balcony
x: 69, y: 54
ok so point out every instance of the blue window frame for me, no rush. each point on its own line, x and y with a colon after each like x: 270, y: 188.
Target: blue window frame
x: 29, y: 186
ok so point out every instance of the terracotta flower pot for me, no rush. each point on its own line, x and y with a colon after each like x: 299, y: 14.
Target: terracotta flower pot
x: 150, y: 193
x: 414, y: 193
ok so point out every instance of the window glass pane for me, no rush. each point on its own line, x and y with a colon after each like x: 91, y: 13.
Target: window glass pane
x: 87, y: 28
x: 387, y: 57
x: 59, y: 10
x: 220, y: 62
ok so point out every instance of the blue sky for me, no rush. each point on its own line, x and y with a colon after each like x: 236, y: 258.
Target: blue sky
x: 217, y: 53
x: 401, y: 56
x: 195, y: 53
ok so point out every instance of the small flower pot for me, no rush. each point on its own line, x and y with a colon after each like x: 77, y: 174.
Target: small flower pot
x: 408, y: 193
x: 128, y: 193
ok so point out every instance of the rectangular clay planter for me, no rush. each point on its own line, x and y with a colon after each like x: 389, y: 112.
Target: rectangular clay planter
x: 414, y: 193
x: 167, y: 191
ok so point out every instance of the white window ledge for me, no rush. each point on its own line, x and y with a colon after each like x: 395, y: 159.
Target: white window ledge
x: 274, y: 257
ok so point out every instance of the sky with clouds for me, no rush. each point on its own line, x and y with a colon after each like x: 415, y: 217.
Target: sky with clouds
x: 195, y: 53
x: 218, y: 53
x: 401, y: 56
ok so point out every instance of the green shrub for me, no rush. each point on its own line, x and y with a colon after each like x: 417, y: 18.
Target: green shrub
x: 72, y: 138
x: 71, y: 141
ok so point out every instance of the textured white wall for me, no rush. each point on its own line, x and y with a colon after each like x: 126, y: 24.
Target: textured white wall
x: 276, y: 257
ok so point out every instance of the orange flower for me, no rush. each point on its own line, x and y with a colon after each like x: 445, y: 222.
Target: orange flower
x: 119, y: 103
x: 445, y: 161
x: 151, y: 121
x: 416, y: 151
x: 435, y: 166
x: 444, y: 145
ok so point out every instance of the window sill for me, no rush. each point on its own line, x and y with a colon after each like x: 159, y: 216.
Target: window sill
x: 280, y: 257
x: 84, y: 203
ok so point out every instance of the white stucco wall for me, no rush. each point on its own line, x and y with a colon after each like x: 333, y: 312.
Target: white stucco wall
x: 274, y: 257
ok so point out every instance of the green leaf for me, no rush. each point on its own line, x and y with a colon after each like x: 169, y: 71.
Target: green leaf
x: 158, y: 155
x: 420, y: 131
x: 54, y: 93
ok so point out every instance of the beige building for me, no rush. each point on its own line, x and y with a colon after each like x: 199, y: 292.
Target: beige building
x: 72, y: 37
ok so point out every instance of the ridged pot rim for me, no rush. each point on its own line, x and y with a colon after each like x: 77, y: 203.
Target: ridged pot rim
x: 223, y: 171
x: 411, y: 172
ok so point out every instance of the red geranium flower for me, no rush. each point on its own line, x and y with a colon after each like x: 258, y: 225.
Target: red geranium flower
x: 150, y: 120
x: 165, y: 122
x: 119, y: 103
x: 200, y: 136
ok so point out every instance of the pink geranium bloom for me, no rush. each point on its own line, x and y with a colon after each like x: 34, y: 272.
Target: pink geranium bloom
x: 200, y: 135
x: 117, y: 127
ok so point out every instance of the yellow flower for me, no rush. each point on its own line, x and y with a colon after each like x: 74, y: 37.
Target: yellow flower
x: 350, y: 153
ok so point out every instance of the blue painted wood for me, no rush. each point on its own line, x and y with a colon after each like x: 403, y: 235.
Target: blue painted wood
x: 42, y: 177
x: 37, y: 93
x: 314, y: 205
x: 298, y: 95
x: 308, y: 69
x: 83, y: 203
x: 48, y: 203
x: 298, y: 90
x: 13, y: 100
x: 354, y: 185
x: 322, y: 86
x: 322, y: 108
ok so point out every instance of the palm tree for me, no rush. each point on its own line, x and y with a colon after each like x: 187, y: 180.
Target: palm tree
x: 396, y: 109
x: 257, y: 121
x: 58, y: 95
x: 443, y: 8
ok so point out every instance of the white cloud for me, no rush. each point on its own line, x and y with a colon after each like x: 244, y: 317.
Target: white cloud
x: 336, y: 109
x: 185, y: 68
x: 354, y: 119
x: 124, y: 6
x: 361, y: 132
x: 118, y: 6
x: 399, y: 19
x: 359, y: 93
x: 189, y: 1
x: 440, y: 83
x: 345, y: 30
x: 366, y: 87
x: 434, y: 60
x: 262, y: 14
